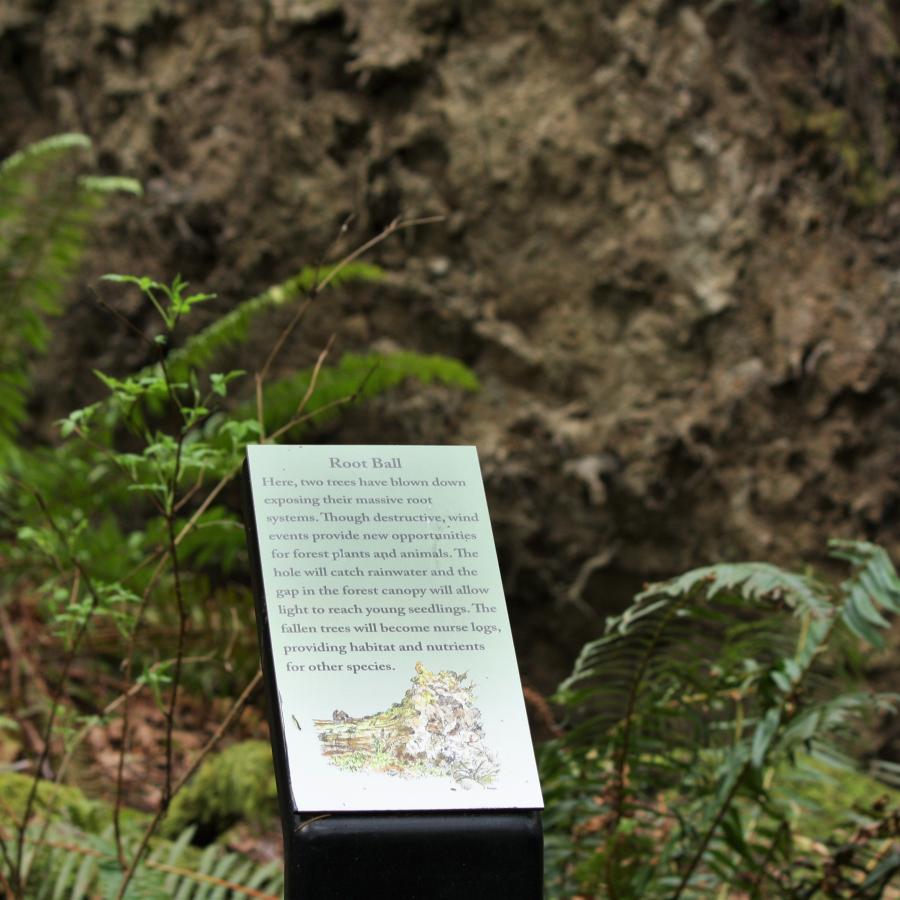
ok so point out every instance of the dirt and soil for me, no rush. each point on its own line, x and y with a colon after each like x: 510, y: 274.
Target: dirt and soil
x: 669, y: 249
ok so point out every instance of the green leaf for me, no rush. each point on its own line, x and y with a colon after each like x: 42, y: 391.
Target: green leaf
x: 109, y: 184
x: 733, y: 830
x: 219, y: 381
x: 859, y: 625
x: 142, y: 281
x: 685, y: 715
x: 363, y: 376
x: 882, y: 874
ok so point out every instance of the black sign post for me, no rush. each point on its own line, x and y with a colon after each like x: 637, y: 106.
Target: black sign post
x: 344, y: 854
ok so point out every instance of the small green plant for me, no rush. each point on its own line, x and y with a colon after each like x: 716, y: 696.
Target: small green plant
x: 707, y: 725
x: 113, y: 529
x: 184, y: 446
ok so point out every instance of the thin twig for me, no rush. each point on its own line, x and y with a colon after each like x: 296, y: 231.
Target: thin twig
x: 260, y: 413
x: 623, y: 755
x: 314, y: 819
x: 281, y: 339
x: 126, y: 711
x: 182, y: 618
x: 111, y: 457
x: 149, y: 558
x: 299, y: 420
x: 191, y: 492
x: 7, y: 887
x: 216, y: 736
x: 223, y: 482
x: 170, y: 390
x: 345, y: 227
x: 232, y: 714
x: 315, y: 376
x: 124, y: 320
x: 16, y: 660
x: 396, y: 225
x: 341, y: 401
x: 111, y: 707
x: 314, y: 291
x: 58, y: 691
x: 5, y: 840
x: 787, y: 700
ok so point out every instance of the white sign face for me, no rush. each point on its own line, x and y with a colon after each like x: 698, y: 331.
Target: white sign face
x: 395, y: 669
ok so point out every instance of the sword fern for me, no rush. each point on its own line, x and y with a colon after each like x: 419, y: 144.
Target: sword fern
x: 695, y: 717
x: 46, y: 210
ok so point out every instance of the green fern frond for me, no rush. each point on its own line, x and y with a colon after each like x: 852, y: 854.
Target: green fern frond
x: 754, y: 582
x: 46, y: 210
x: 872, y: 589
x: 41, y: 154
x: 111, y: 184
x: 688, y: 712
x: 184, y: 363
x: 362, y: 376
x: 71, y: 864
x: 232, y: 328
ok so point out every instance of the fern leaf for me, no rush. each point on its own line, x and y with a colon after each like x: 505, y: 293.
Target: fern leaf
x: 752, y: 581
x: 217, y: 874
x: 872, y: 586
x: 45, y: 213
x: 700, y: 693
x: 267, y: 876
x: 363, y: 376
x: 232, y: 328
x: 174, y: 853
x: 111, y: 184
x: 79, y: 865
x: 86, y: 873
x: 220, y: 878
x: 40, y: 154
x: 881, y: 876
x: 65, y: 877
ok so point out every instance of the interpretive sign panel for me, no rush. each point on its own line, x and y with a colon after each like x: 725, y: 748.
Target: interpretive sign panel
x: 396, y: 676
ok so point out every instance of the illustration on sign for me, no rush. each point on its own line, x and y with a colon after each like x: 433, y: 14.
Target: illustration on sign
x: 394, y: 666
x: 434, y: 730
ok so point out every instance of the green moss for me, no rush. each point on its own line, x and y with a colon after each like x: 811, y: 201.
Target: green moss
x: 67, y: 803
x: 236, y: 784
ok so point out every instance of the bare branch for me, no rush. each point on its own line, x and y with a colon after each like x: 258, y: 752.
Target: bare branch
x: 232, y: 714
x: 314, y: 378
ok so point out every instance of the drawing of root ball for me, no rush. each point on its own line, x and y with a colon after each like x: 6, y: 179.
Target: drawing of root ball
x: 434, y: 730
